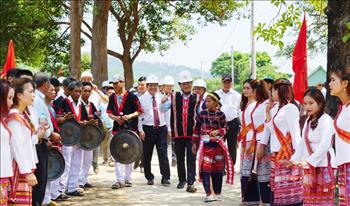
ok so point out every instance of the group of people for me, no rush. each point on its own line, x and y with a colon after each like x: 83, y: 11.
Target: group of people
x: 283, y: 161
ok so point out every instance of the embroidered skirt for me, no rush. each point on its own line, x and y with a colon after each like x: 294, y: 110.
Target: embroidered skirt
x: 344, y: 184
x: 249, y: 185
x: 213, y: 159
x: 4, y: 191
x: 320, y: 192
x: 23, y: 193
x: 287, y: 191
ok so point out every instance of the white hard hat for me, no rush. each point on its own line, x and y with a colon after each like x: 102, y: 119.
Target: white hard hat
x: 169, y: 80
x: 60, y: 79
x: 117, y: 78
x: 106, y: 84
x: 185, y: 76
x: 86, y: 74
x: 200, y: 83
x: 152, y: 79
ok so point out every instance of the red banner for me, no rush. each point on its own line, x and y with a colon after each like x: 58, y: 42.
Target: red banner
x: 10, y: 60
x: 300, y: 83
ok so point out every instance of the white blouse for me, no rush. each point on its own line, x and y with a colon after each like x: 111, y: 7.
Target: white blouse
x: 259, y: 117
x: 5, y: 153
x: 320, y: 140
x: 342, y: 148
x: 287, y: 120
x: 247, y: 119
x: 21, y: 145
x: 269, y: 132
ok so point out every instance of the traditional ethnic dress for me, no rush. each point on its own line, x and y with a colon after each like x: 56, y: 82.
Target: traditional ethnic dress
x: 23, y: 154
x: 249, y: 183
x: 182, y: 120
x: 72, y: 154
x: 6, y: 159
x: 287, y: 185
x: 342, y: 148
x: 261, y: 167
x: 212, y: 152
x: 316, y: 149
x: 118, y: 105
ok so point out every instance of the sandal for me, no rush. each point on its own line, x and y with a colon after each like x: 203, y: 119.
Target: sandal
x: 116, y: 185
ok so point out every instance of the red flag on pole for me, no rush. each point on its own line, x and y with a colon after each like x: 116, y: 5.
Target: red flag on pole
x: 10, y: 60
x: 300, y: 84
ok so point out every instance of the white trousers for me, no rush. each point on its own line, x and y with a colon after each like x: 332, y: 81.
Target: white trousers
x: 51, y: 191
x: 75, y: 168
x: 87, y: 163
x: 67, y: 152
x: 123, y: 172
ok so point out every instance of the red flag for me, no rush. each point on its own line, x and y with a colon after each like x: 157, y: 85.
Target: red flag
x: 300, y: 84
x: 10, y: 60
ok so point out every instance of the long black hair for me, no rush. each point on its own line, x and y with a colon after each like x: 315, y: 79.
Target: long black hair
x: 316, y: 95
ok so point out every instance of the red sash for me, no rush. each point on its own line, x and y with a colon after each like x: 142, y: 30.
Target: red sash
x: 256, y: 130
x: 313, y: 169
x: 53, y: 120
x: 228, y: 161
x: 244, y: 131
x: 76, y: 117
x: 14, y: 179
x: 344, y: 135
x: 119, y: 108
x: 286, y: 149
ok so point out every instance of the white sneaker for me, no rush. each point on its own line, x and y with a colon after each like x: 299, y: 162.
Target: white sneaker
x: 210, y: 198
x: 218, y: 197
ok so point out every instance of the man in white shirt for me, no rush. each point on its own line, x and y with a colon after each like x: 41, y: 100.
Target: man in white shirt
x: 42, y: 81
x: 153, y: 130
x: 230, y: 101
x: 97, y: 98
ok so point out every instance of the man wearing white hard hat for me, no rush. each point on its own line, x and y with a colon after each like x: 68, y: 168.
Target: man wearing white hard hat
x: 200, y: 88
x: 124, y: 108
x: 168, y: 89
x: 183, y: 112
x: 153, y: 130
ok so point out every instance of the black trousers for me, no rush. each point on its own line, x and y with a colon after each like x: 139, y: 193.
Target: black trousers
x: 155, y: 137
x: 184, y: 146
x: 231, y: 137
x: 40, y: 174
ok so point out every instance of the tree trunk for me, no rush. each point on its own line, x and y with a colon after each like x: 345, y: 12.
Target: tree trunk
x: 128, y: 71
x: 75, y: 52
x: 338, y: 52
x: 99, y: 63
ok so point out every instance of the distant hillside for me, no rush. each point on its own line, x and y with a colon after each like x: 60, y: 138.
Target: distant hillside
x: 145, y: 68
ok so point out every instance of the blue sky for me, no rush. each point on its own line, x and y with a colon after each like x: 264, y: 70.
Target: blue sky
x: 210, y: 41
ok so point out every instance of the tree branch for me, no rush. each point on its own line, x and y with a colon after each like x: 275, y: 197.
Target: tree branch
x: 115, y: 54
x: 135, y: 23
x: 114, y: 13
x: 87, y: 25
x: 122, y: 6
x: 86, y: 34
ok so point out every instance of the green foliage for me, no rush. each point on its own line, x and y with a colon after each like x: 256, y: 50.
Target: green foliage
x: 287, y: 23
x: 34, y: 28
x: 346, y: 37
x: 213, y: 84
x: 222, y: 65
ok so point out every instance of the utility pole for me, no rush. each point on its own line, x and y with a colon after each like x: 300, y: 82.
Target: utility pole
x: 253, y: 54
x: 232, y: 67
